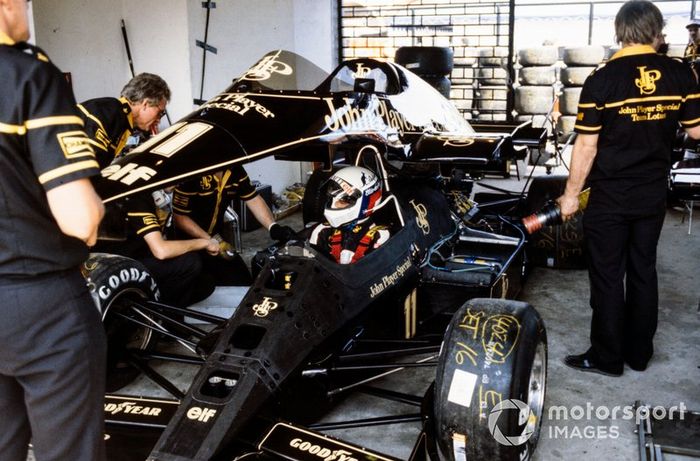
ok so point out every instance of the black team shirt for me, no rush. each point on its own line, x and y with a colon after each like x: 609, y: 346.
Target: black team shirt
x: 635, y: 103
x: 42, y: 146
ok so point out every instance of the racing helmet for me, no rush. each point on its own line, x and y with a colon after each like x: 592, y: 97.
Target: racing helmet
x: 352, y: 193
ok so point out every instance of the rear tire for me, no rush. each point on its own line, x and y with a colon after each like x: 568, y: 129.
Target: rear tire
x: 493, y: 359
x: 114, y: 283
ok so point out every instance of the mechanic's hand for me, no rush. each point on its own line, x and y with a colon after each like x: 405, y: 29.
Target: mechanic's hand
x: 226, y: 250
x: 282, y: 233
x: 568, y: 206
x: 213, y: 247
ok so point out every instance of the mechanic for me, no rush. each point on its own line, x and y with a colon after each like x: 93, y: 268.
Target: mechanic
x: 691, y: 50
x: 198, y: 211
x: 109, y: 122
x: 175, y: 264
x: 627, y: 117
x: 350, y: 232
x: 52, y: 342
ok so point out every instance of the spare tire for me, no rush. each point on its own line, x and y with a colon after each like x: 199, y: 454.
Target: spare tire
x: 426, y: 60
x: 566, y: 124
x: 561, y: 246
x: 540, y: 75
x: 534, y: 99
x: 568, y: 101
x: 540, y: 56
x: 590, y: 55
x: 442, y: 84
x: 493, y: 360
x: 115, y: 282
x: 575, y: 76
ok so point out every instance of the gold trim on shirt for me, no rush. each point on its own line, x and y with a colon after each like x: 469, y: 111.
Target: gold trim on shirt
x: 67, y: 169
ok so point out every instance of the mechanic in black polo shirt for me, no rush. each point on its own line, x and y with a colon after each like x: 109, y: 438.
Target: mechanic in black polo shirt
x: 198, y: 211
x: 110, y: 121
x: 52, y: 343
x: 174, y: 264
x: 628, y: 114
x: 691, y: 55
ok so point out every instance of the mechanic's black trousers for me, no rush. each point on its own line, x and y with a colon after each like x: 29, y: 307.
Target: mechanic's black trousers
x: 624, y: 288
x: 52, y: 369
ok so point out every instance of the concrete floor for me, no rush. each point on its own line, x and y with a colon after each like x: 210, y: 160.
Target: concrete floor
x: 561, y: 297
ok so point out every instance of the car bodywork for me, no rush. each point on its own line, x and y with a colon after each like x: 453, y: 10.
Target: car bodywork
x: 305, y: 313
x: 287, y: 107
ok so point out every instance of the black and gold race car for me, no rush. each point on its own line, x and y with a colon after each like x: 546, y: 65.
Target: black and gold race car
x: 437, y: 294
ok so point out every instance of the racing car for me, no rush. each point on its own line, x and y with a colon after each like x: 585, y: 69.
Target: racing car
x: 439, y: 293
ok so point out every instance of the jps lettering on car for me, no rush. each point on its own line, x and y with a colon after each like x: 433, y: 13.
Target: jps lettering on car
x: 263, y: 308
x: 325, y: 453
x: 390, y: 279
x: 376, y: 116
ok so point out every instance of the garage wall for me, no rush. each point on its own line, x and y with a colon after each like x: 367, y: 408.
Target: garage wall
x: 242, y: 34
x: 84, y: 37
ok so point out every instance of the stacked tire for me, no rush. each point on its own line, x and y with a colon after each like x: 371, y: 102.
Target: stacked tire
x: 579, y: 63
x: 534, y: 95
x: 432, y: 63
x: 492, y: 84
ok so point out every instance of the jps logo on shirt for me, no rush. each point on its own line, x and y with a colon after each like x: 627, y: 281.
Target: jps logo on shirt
x: 647, y: 80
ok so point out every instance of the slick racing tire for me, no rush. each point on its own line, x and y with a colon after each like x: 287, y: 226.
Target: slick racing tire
x: 590, y: 55
x: 540, y: 56
x: 426, y: 60
x: 559, y: 247
x: 568, y: 102
x: 490, y: 382
x: 115, y: 282
x: 314, y: 200
x: 533, y: 99
x: 537, y: 75
x: 575, y: 76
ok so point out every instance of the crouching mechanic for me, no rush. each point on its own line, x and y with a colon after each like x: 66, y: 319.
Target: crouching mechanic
x: 199, y: 206
x: 175, y: 265
x: 350, y: 233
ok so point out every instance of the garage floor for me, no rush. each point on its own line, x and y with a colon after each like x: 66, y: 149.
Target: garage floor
x: 672, y: 379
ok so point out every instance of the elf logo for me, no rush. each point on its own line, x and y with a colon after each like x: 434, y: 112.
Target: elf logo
x: 128, y: 174
x: 200, y: 414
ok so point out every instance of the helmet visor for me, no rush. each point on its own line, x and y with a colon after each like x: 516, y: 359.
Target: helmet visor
x: 341, y: 196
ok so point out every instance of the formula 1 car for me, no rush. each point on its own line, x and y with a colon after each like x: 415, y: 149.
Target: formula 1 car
x: 436, y: 294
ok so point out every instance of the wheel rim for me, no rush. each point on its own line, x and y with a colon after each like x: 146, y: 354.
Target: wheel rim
x: 536, y: 390
x: 140, y: 336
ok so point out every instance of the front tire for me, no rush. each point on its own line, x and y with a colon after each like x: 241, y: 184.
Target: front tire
x: 493, y: 360
x: 115, y: 283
